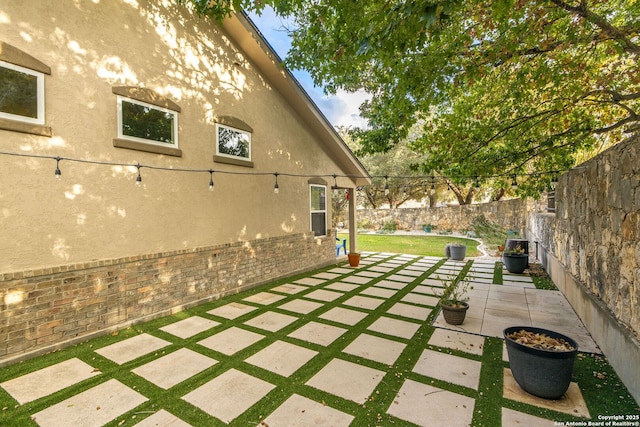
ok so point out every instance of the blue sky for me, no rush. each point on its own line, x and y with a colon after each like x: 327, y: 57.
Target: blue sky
x: 340, y: 109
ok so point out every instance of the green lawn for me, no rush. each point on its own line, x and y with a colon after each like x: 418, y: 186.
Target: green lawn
x: 415, y: 245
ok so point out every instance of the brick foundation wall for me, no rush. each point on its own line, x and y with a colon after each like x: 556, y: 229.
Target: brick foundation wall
x: 49, y: 308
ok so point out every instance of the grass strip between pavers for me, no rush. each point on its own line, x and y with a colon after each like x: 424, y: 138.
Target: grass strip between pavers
x: 597, y: 389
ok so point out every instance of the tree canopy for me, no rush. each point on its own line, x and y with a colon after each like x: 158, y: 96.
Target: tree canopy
x: 502, y: 88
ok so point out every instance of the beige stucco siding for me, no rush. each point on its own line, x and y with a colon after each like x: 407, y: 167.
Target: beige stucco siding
x: 96, y: 211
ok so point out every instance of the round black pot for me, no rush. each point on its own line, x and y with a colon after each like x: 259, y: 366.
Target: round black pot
x: 543, y: 373
x: 457, y: 252
x: 515, y: 263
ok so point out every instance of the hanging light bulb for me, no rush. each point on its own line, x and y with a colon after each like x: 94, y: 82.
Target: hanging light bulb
x: 514, y: 183
x: 58, y: 172
x: 477, y: 184
x: 211, y: 180
x: 404, y: 192
x: 276, y: 188
x: 386, y: 185
x: 139, y: 177
x: 554, y: 179
x: 433, y: 185
x: 335, y: 182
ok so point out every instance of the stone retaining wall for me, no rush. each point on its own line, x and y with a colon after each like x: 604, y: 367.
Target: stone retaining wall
x: 591, y: 249
x: 510, y: 214
x: 45, y: 309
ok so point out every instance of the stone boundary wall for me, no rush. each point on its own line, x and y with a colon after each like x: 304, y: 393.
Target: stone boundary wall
x: 591, y: 249
x: 510, y: 214
x: 45, y: 309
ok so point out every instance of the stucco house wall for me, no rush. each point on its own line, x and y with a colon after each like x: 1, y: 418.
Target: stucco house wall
x: 92, y: 251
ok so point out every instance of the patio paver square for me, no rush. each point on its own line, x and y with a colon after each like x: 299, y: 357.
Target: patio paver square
x: 412, y: 273
x: 232, y: 310
x: 271, y: 321
x: 132, y: 348
x: 163, y: 373
x: 289, y: 288
x: 300, y: 306
x: 429, y: 290
x: 515, y: 418
x: 318, y: 333
x: 372, y: 274
x: 264, y: 298
x: 323, y: 295
x: 431, y: 301
x: 468, y: 343
x: 234, y: 392
x: 327, y: 275
x: 572, y: 402
x: 401, y: 278
x: 344, y: 315
x: 189, y: 327
x: 425, y: 405
x: 282, y: 358
x: 360, y: 280
x: 411, y: 311
x: 340, y: 270
x: 375, y: 348
x: 517, y: 278
x: 394, y: 327
x: 342, y: 287
x: 164, y: 419
x: 450, y: 368
x: 380, y: 268
x: 378, y: 292
x: 231, y: 340
x: 433, y: 282
x: 310, y: 281
x: 298, y: 411
x: 347, y: 380
x: 48, y: 380
x: 390, y: 284
x: 112, y: 397
x: 364, y: 302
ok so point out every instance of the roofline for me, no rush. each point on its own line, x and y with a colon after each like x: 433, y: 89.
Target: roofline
x: 249, y: 38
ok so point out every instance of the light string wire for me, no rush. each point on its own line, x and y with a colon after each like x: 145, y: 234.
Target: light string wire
x: 432, y: 179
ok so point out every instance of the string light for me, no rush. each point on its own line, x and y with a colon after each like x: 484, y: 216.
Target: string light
x: 335, y: 182
x: 58, y: 172
x: 432, y: 179
x: 211, y: 180
x: 514, y: 182
x: 477, y: 183
x: 139, y: 177
x: 276, y: 187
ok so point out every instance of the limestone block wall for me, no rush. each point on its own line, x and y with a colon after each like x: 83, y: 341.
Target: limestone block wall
x: 51, y: 307
x: 591, y: 249
x: 510, y: 214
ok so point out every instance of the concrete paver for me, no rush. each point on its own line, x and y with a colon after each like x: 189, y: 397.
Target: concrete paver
x: 231, y: 341
x: 189, y: 327
x: 318, y: 333
x: 347, y: 380
x: 162, y: 418
x: 450, y: 368
x: 298, y: 411
x: 232, y: 310
x: 375, y: 348
x: 282, y: 358
x: 394, y: 327
x: 132, y: 348
x: 344, y: 315
x: 163, y: 373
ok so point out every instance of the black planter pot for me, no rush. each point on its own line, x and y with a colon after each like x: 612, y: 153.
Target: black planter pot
x: 515, y: 263
x: 457, y: 252
x: 543, y: 373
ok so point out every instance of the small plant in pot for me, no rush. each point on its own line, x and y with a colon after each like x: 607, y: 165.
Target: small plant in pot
x: 456, y: 251
x: 515, y: 260
x: 453, y: 300
x: 428, y: 227
x: 541, y: 360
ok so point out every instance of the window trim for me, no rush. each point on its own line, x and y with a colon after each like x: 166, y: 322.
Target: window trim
x: 122, y: 136
x: 39, y: 119
x: 231, y: 156
x: 312, y: 211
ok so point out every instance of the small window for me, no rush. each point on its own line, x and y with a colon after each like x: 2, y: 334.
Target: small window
x: 233, y: 142
x: 319, y: 209
x: 21, y: 94
x: 143, y: 122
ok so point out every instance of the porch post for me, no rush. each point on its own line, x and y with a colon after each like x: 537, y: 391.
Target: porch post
x: 353, y: 226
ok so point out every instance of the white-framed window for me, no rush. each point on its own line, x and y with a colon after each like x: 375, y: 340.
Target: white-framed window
x: 318, y: 198
x: 232, y: 142
x: 21, y: 94
x: 150, y: 124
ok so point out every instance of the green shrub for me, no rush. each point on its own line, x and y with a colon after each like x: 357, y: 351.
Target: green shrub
x: 390, y: 226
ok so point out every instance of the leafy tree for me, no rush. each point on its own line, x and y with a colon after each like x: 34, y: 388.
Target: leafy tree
x: 503, y: 87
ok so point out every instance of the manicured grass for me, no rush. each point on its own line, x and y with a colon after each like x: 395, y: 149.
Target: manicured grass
x: 414, y: 245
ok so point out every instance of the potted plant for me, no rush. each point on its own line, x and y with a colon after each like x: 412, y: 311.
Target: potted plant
x: 428, y: 227
x: 541, y: 360
x: 354, y: 259
x: 515, y: 260
x: 453, y: 300
x: 456, y: 251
